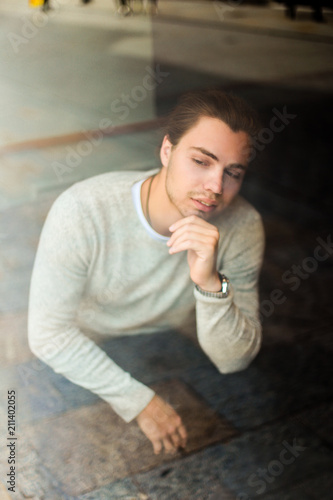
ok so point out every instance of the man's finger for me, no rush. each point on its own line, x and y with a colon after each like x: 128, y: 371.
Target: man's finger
x: 176, y: 440
x: 169, y: 447
x: 182, y: 440
x: 195, y: 231
x: 205, y: 239
x: 183, y: 433
x: 190, y: 244
x: 157, y: 445
x: 191, y: 227
x: 192, y: 219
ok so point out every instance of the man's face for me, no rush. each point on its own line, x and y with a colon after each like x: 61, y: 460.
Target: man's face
x: 204, y: 172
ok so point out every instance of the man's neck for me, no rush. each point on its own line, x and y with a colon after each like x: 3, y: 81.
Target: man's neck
x: 161, y: 212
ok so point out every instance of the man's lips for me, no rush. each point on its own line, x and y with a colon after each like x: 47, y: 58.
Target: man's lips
x: 205, y: 204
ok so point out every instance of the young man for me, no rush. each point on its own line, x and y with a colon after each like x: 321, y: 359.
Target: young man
x: 145, y: 251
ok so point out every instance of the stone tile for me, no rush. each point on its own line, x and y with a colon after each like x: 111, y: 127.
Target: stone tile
x: 319, y: 420
x: 319, y: 334
x: 36, y: 396
x: 283, y: 379
x: 221, y: 493
x: 289, y: 245
x: 73, y: 395
x: 33, y: 479
x: 192, y: 478
x: 319, y: 487
x: 263, y: 458
x: 14, y: 291
x: 4, y: 493
x: 203, y: 425
x: 277, y: 333
x: 91, y: 447
x: 81, y: 447
x: 293, y: 493
x: 120, y: 490
x: 14, y: 346
x: 299, y: 330
x: 246, y: 398
x: 41, y: 391
x: 23, y: 225
x: 237, y: 466
x: 161, y: 355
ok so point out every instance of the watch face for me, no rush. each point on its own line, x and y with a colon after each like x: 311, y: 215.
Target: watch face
x: 225, y: 286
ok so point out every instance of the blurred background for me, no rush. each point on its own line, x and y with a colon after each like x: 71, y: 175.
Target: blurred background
x: 84, y: 88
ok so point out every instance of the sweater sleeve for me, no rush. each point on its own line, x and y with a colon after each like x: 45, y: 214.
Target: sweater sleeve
x: 58, y: 280
x: 229, y: 329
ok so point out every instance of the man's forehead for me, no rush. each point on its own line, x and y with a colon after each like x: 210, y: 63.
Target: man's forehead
x: 206, y: 128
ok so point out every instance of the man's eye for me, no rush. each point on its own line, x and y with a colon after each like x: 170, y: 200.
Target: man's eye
x: 199, y: 162
x: 234, y: 175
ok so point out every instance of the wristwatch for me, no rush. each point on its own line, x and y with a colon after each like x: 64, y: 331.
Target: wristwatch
x: 222, y: 294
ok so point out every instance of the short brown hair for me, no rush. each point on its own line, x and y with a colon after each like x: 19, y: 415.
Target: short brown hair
x: 227, y: 107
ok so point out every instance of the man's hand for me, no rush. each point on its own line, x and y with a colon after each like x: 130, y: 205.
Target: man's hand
x: 200, y: 239
x: 162, y: 425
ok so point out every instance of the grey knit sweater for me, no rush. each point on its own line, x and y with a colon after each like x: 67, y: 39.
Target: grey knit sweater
x: 97, y: 267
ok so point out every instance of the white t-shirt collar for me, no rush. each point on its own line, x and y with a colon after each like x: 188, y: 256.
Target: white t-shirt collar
x: 136, y: 195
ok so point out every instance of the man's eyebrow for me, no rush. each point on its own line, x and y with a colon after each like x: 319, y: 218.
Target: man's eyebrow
x: 214, y: 157
x: 205, y: 152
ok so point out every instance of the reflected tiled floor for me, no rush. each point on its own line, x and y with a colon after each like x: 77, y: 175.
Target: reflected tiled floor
x: 98, y: 441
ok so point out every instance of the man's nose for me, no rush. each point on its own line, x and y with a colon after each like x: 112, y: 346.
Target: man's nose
x: 215, y: 183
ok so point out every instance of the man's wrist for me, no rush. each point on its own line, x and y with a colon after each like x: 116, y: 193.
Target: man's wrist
x: 213, y: 285
x: 222, y: 292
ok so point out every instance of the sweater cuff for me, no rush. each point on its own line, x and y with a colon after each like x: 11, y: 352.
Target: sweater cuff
x: 129, y: 405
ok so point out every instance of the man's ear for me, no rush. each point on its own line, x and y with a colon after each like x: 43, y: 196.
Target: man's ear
x: 165, y: 151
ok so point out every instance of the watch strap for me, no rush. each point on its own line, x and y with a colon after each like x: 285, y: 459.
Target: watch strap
x: 222, y: 294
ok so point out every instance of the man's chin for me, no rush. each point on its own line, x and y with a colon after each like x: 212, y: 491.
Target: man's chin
x: 209, y: 215
x: 199, y: 213
x: 188, y: 211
